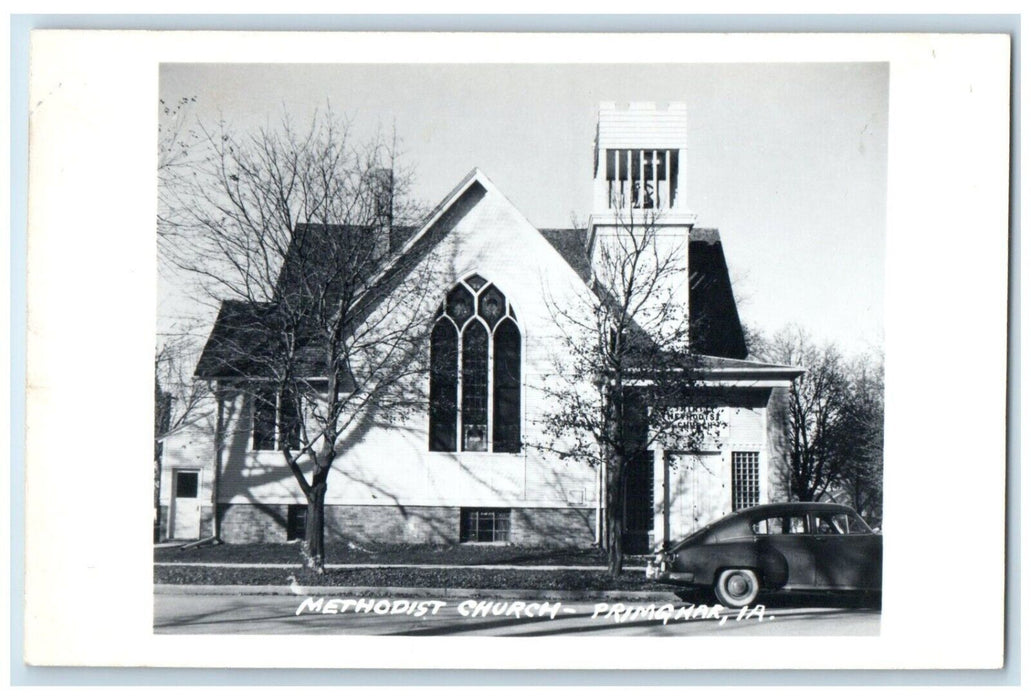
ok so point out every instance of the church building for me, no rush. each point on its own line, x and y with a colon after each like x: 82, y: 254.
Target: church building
x: 464, y: 466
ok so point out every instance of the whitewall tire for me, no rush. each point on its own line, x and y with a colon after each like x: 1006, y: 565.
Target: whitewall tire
x: 736, y: 588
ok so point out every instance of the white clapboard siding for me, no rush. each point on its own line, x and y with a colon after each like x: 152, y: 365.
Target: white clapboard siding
x: 391, y: 464
x: 747, y: 427
x: 642, y: 125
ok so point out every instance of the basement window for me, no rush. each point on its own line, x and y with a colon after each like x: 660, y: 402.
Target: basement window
x: 486, y: 525
x: 296, y: 522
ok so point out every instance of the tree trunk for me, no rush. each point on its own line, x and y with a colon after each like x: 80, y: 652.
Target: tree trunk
x: 616, y: 545
x: 314, y: 535
x: 614, y: 514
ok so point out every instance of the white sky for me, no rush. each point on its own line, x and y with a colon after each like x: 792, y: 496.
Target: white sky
x: 789, y: 161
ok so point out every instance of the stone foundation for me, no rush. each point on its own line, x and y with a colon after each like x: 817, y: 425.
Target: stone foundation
x: 557, y: 527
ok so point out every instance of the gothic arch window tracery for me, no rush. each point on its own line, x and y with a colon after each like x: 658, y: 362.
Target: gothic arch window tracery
x: 475, y: 371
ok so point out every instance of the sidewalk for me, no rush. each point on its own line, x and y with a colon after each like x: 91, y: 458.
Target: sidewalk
x: 418, y: 592
x: 331, y: 567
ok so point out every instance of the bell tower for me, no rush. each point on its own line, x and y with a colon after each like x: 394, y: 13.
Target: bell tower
x: 640, y: 161
x: 639, y: 156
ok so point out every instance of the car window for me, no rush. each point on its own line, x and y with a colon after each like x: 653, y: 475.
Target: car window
x: 768, y: 526
x: 734, y: 529
x: 831, y: 524
x: 779, y: 525
x: 856, y: 526
x: 840, y: 524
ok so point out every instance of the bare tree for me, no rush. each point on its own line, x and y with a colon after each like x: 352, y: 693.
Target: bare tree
x: 836, y: 423
x: 180, y: 401
x: 816, y: 407
x: 179, y: 140
x: 323, y: 321
x: 177, y: 134
x: 861, y: 481
x: 625, y: 377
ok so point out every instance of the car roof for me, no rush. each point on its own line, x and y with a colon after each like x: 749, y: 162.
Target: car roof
x: 794, y: 507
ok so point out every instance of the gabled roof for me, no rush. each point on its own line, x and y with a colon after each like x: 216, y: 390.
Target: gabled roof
x: 313, y: 244
x: 238, y: 338
x: 238, y: 344
x: 234, y: 347
x: 571, y: 244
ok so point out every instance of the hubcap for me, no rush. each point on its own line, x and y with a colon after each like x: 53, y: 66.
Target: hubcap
x: 738, y: 585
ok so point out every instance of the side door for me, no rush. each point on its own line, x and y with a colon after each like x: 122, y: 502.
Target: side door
x: 698, y: 492
x: 185, y: 519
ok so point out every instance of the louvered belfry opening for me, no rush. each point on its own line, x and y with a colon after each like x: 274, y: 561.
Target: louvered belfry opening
x: 641, y: 178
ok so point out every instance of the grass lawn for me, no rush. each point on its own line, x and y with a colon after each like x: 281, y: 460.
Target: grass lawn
x: 377, y: 557
x: 468, y: 554
x: 430, y: 578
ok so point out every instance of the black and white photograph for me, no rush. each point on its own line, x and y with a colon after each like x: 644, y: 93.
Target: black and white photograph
x: 520, y: 349
x: 433, y: 351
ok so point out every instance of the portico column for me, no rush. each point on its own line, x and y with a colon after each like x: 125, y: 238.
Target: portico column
x: 660, y: 495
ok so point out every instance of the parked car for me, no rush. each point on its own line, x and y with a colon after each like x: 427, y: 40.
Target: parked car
x: 778, y: 546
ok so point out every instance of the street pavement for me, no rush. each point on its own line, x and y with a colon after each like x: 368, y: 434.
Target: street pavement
x: 178, y: 612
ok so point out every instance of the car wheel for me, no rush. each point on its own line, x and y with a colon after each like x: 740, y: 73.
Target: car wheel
x: 736, y: 588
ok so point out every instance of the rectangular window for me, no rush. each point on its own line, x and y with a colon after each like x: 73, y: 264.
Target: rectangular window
x: 296, y: 522
x: 290, y: 421
x: 270, y: 424
x: 486, y: 525
x: 745, y: 479
x: 264, y: 433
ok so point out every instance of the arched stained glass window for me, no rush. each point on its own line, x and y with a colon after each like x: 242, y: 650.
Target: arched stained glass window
x: 474, y: 388
x: 443, y: 386
x: 507, y: 360
x: 476, y: 371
